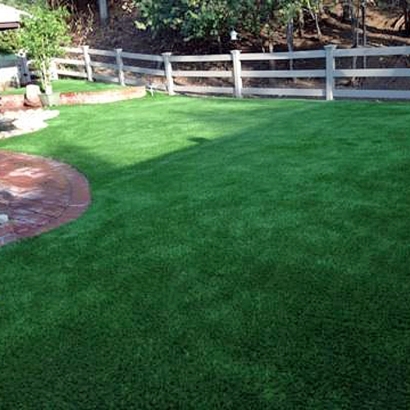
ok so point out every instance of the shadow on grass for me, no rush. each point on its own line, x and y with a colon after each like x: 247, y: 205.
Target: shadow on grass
x: 198, y: 140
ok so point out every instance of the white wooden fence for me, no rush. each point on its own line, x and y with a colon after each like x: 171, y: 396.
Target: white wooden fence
x: 235, y: 68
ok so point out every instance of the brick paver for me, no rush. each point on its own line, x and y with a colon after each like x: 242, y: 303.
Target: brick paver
x: 38, y: 194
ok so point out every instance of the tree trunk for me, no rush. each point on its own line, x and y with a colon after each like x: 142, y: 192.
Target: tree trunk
x: 406, y: 15
x: 363, y: 7
x: 289, y: 41
x: 318, y: 30
x: 346, y: 11
x: 301, y: 23
x: 272, y: 65
x: 354, y: 22
x: 103, y: 9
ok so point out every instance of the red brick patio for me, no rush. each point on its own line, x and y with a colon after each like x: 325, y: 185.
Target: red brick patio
x: 38, y: 194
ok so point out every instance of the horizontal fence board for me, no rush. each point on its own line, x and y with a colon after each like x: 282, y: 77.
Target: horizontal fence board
x: 282, y: 56
x: 373, y: 72
x: 96, y: 52
x: 106, y: 78
x: 284, y: 74
x: 66, y: 73
x: 200, y: 59
x: 292, y: 92
x: 380, y: 51
x: 142, y: 57
x: 143, y: 70
x: 381, y: 94
x: 103, y: 65
x: 206, y: 90
x: 68, y: 61
x: 197, y: 73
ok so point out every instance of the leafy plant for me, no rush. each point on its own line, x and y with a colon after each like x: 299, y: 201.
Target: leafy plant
x: 9, y: 41
x: 43, y: 35
x: 193, y: 19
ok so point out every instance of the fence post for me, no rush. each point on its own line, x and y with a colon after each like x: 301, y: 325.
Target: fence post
x: 24, y: 68
x: 330, y: 68
x: 168, y: 73
x: 120, y: 65
x: 87, y: 61
x: 237, y: 73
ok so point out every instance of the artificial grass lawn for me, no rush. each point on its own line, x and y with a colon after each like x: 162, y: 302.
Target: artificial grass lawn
x: 69, y: 85
x: 238, y: 254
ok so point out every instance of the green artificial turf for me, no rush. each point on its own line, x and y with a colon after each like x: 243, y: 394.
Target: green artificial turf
x: 69, y: 85
x: 237, y: 255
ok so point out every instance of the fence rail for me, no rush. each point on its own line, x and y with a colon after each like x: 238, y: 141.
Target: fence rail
x: 243, y: 74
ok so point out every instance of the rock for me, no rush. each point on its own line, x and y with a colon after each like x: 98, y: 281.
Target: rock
x: 32, y: 96
x: 3, y: 219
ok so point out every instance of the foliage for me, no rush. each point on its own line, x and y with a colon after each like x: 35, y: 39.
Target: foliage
x: 42, y: 37
x: 195, y: 19
x: 26, y: 5
x: 262, y: 19
x: 192, y: 18
x: 9, y: 41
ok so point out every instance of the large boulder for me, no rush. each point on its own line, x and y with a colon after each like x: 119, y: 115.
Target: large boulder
x: 32, y: 96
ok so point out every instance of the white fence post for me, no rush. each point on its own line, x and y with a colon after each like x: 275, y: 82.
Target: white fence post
x: 120, y: 65
x: 330, y: 68
x: 237, y: 72
x: 168, y: 73
x: 87, y: 61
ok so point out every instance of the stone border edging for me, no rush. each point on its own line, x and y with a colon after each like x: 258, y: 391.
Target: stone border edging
x: 16, y: 101
x: 101, y: 97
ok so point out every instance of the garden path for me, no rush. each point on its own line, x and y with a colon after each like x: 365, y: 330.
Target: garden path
x: 38, y: 194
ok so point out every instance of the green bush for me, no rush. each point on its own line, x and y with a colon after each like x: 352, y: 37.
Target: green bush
x: 9, y: 41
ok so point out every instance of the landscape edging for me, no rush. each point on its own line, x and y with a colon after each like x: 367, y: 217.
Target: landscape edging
x: 16, y: 102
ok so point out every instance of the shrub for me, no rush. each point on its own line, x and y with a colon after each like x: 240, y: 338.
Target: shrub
x: 9, y: 42
x: 42, y: 36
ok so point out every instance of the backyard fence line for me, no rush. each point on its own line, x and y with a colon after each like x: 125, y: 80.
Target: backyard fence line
x: 129, y: 67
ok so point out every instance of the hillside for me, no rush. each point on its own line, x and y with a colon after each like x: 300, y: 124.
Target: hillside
x: 383, y: 28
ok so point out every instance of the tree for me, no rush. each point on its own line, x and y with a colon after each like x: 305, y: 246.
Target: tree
x: 42, y: 37
x: 193, y: 19
x: 198, y: 19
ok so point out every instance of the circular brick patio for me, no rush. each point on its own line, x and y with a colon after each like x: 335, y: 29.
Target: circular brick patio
x: 38, y: 194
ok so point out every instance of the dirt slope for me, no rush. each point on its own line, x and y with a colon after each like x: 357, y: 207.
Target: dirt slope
x: 383, y: 29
